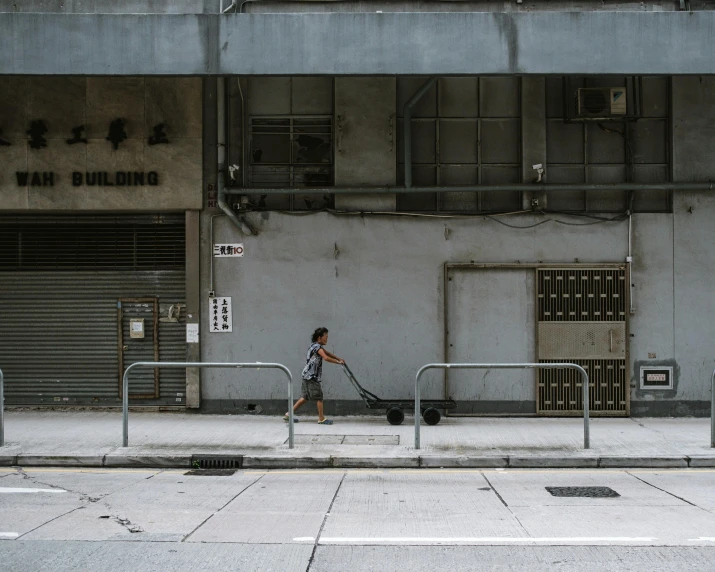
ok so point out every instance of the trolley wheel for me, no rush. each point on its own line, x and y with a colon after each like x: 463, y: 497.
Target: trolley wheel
x: 431, y: 416
x: 395, y: 416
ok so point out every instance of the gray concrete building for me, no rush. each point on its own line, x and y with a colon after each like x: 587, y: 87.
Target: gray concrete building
x: 455, y: 181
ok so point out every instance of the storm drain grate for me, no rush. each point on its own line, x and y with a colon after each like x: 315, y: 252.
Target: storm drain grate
x: 589, y: 492
x: 211, y: 472
x: 217, y: 461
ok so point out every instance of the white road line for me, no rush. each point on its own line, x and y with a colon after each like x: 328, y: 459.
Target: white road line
x: 702, y: 538
x: 9, y: 535
x: 471, y: 539
x: 10, y: 490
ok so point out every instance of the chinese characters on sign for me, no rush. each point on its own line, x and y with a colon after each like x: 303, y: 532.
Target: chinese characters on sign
x: 159, y: 135
x: 77, y: 136
x: 220, y: 314
x: 228, y: 250
x: 36, y: 132
x: 116, y: 133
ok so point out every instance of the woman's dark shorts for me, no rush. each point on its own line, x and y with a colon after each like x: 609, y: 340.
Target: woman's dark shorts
x: 312, y: 390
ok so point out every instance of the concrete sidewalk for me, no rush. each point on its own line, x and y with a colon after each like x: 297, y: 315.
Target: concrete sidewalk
x: 94, y: 438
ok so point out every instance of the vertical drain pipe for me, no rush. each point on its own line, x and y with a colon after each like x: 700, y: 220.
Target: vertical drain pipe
x: 407, y: 128
x: 221, y: 158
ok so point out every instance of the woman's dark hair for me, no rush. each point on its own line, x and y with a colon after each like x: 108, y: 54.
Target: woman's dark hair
x: 319, y: 333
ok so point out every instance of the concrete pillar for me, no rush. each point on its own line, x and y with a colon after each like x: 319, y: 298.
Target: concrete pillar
x: 193, y: 301
x: 365, y: 140
x: 533, y: 135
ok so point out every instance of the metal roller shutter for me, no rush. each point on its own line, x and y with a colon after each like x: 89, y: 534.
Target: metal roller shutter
x: 60, y: 284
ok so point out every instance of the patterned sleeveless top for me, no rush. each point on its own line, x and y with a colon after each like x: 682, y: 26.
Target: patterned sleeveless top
x: 313, y: 364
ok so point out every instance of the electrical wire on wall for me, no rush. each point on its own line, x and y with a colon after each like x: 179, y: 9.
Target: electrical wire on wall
x: 595, y: 219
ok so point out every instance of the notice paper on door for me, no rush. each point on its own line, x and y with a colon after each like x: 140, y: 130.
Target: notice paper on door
x: 192, y: 333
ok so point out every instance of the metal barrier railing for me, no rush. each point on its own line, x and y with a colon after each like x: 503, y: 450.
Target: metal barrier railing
x: 159, y: 364
x: 586, y: 430
x: 2, y: 410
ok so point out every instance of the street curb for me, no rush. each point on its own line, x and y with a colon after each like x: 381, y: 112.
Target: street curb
x: 703, y: 461
x: 376, y: 462
x: 347, y: 462
x: 643, y: 462
x: 148, y: 461
x: 463, y: 461
x: 533, y: 462
x: 60, y: 460
x: 286, y: 462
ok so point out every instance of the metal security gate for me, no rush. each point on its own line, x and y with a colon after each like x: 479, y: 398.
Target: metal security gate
x: 61, y: 327
x: 581, y: 318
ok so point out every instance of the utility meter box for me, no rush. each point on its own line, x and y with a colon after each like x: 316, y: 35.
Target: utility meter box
x: 136, y: 328
x: 656, y: 377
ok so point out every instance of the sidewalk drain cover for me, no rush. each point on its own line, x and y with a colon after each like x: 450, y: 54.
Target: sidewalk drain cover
x: 211, y: 472
x: 217, y: 461
x: 347, y: 439
x: 590, y: 492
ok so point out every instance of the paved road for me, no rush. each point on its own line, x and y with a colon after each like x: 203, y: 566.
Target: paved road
x: 321, y: 521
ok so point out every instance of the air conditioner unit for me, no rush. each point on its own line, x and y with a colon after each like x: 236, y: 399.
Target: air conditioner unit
x: 601, y: 101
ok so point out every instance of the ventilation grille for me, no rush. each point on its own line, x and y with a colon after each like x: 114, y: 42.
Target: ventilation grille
x: 217, y: 461
x: 561, y: 390
x: 581, y: 295
x: 77, y: 244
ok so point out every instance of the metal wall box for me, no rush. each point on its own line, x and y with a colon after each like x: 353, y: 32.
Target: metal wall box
x: 136, y: 328
x: 660, y: 377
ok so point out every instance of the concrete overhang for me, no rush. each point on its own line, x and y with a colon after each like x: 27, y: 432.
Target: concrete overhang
x: 434, y: 43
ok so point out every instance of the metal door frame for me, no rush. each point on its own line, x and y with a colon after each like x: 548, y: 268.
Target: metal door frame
x: 469, y: 266
x: 120, y: 346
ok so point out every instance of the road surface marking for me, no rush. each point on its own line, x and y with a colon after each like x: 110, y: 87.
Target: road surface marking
x: 10, y: 490
x: 9, y: 535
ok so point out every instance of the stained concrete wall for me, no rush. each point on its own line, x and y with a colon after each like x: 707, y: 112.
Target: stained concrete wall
x: 377, y: 283
x: 64, y: 103
x: 410, y: 43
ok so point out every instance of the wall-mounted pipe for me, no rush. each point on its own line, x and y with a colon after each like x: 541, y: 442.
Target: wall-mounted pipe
x: 221, y: 159
x: 702, y: 186
x: 407, y: 127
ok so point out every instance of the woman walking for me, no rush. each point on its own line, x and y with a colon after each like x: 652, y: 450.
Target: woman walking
x: 312, y: 375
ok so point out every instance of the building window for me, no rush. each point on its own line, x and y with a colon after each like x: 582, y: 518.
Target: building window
x: 611, y: 150
x: 465, y: 131
x: 290, y: 141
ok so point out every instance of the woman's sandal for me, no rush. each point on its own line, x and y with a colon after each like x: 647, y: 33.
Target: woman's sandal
x: 286, y: 419
x: 325, y: 422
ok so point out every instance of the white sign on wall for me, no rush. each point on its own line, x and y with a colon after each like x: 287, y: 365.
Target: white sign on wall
x: 192, y: 333
x: 220, y: 314
x: 222, y: 250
